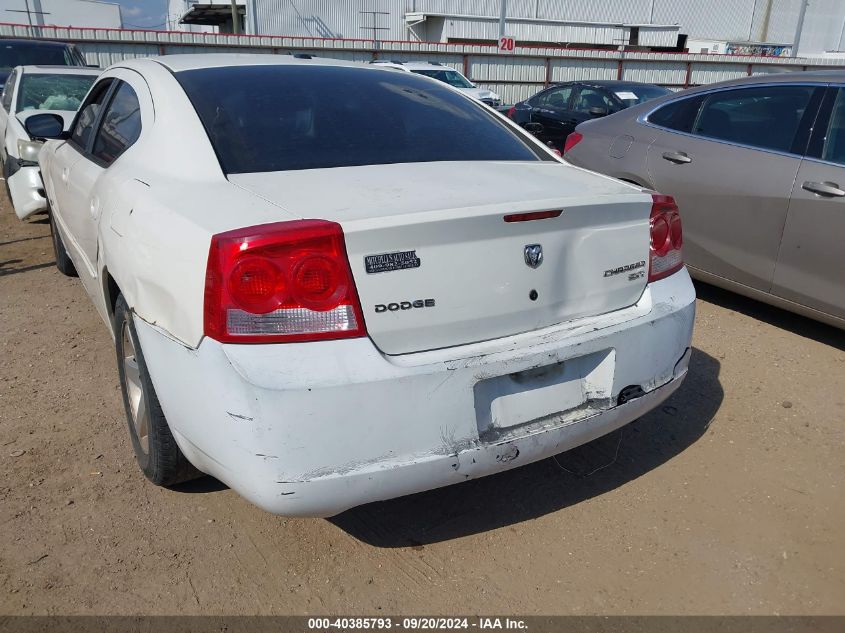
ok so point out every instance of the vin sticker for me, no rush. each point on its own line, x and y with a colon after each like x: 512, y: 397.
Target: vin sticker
x: 387, y: 262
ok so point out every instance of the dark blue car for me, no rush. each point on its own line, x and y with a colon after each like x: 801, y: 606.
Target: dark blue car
x: 36, y: 53
x: 555, y: 111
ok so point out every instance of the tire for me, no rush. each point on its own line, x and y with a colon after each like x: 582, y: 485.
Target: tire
x: 155, y: 449
x: 63, y: 262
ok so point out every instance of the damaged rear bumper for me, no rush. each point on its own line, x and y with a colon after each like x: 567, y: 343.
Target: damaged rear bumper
x: 313, y: 429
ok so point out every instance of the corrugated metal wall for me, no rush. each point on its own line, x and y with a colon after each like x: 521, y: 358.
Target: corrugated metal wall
x: 731, y: 20
x: 515, y: 76
x: 628, y: 11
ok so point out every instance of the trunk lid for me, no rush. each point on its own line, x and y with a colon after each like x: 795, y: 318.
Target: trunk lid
x: 436, y: 264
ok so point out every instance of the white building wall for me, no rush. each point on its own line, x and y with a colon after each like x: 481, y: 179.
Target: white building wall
x: 824, y: 27
x: 329, y: 18
x: 63, y: 13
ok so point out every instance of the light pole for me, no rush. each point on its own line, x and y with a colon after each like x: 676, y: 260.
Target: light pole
x: 503, y: 10
x: 236, y: 26
x: 798, y: 28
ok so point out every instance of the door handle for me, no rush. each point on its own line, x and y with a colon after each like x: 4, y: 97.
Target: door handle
x: 65, y: 172
x: 679, y: 158
x: 827, y: 189
x: 95, y: 208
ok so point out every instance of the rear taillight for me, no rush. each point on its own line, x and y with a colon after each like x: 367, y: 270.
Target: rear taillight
x: 667, y: 238
x: 571, y: 141
x: 511, y: 111
x: 282, y: 282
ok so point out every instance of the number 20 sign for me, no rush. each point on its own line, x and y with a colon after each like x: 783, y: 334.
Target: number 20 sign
x: 506, y: 44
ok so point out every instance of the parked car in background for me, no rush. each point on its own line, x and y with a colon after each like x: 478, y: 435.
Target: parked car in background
x: 29, y: 90
x: 324, y: 302
x: 36, y: 53
x: 758, y: 166
x: 447, y: 75
x: 554, y: 112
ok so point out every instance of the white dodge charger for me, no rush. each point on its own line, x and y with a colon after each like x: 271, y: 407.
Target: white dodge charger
x: 331, y: 283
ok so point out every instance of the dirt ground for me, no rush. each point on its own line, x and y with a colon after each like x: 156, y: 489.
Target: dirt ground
x: 726, y: 500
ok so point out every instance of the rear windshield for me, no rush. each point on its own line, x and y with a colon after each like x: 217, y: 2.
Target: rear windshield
x: 26, y: 54
x: 633, y: 95
x: 52, y: 92
x: 279, y: 118
x: 451, y: 77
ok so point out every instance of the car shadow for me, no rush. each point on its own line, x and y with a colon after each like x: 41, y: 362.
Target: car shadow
x: 550, y: 485
x: 25, y: 239
x: 14, y: 271
x: 778, y: 317
x: 202, y: 485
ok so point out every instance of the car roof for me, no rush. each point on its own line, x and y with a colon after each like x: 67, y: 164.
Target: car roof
x: 59, y: 70
x: 809, y: 76
x: 412, y: 65
x: 820, y: 77
x: 44, y: 43
x: 179, y: 63
x: 612, y: 84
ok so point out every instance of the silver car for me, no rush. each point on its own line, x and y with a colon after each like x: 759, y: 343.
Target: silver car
x: 757, y: 166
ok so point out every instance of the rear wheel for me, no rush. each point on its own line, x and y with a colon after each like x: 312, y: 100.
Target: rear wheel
x: 63, y: 262
x: 155, y: 449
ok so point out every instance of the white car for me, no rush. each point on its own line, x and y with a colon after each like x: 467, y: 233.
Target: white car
x: 30, y: 90
x: 447, y: 75
x: 325, y: 302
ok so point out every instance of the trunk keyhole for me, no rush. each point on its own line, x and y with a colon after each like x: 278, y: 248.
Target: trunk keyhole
x: 533, y: 295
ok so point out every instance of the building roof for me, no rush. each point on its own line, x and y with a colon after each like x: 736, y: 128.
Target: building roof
x: 211, y: 14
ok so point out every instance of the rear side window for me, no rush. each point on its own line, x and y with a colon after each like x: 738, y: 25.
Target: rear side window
x: 554, y: 98
x: 87, y: 115
x: 834, y: 140
x: 277, y: 118
x: 120, y: 127
x: 589, y: 98
x: 677, y: 115
x: 767, y: 117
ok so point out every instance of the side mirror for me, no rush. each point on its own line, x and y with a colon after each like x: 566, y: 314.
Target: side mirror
x: 597, y: 112
x: 46, y: 125
x: 534, y: 128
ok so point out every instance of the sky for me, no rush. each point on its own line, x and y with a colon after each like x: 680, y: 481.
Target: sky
x: 146, y: 14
